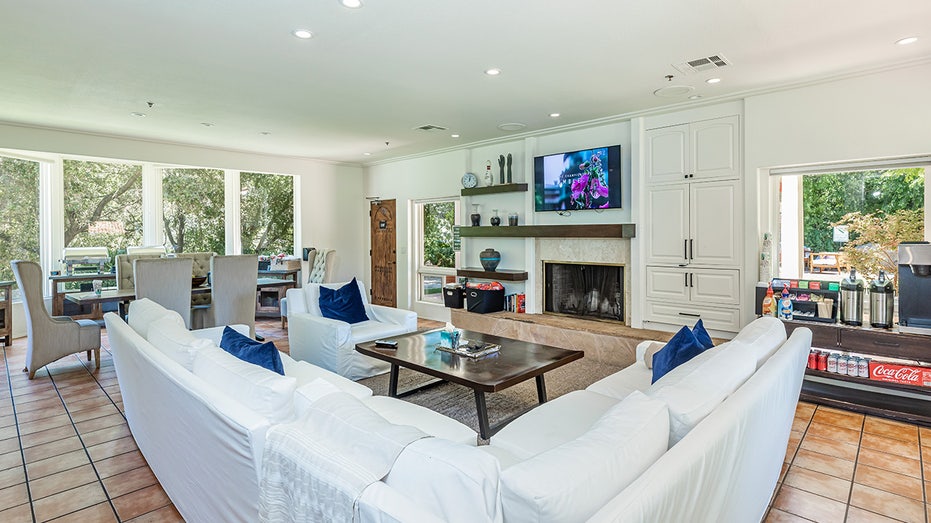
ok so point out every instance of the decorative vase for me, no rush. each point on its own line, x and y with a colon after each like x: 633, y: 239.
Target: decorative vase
x: 490, y: 259
x: 475, y: 216
x: 495, y: 220
x: 512, y: 219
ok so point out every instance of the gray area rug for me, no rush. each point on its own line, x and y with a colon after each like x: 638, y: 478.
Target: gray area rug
x: 458, y: 402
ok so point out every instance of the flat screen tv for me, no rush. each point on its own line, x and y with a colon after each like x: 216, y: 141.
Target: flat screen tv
x: 578, y: 180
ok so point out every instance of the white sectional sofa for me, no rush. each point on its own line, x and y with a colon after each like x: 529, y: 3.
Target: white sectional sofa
x: 231, y: 443
x: 200, y: 416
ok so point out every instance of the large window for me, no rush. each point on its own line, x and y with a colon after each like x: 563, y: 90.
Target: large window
x: 436, y: 259
x: 19, y: 213
x: 831, y: 222
x: 103, y: 205
x: 193, y: 210
x: 267, y: 213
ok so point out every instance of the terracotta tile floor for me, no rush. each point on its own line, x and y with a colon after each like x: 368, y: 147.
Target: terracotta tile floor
x: 66, y: 454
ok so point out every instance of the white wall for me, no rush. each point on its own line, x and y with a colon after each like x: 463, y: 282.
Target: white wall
x: 331, y: 211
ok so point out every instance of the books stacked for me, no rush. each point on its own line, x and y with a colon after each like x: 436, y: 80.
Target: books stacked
x: 514, y: 302
x: 471, y: 349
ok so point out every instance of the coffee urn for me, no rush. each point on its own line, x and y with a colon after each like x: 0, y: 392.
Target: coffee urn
x: 915, y: 287
x: 851, y: 299
x: 882, y: 294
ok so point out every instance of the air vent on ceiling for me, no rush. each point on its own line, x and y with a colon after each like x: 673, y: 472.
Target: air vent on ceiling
x: 430, y: 127
x: 702, y: 64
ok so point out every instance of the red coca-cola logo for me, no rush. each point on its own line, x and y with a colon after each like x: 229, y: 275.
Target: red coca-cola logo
x: 908, y: 374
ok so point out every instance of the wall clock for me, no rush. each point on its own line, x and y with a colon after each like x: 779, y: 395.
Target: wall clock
x: 469, y: 180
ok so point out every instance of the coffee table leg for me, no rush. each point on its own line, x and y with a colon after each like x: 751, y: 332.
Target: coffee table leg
x: 484, y: 430
x: 541, y: 389
x: 393, y: 381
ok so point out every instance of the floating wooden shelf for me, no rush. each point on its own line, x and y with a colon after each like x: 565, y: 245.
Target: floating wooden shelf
x: 606, y: 230
x: 500, y: 274
x: 495, y: 189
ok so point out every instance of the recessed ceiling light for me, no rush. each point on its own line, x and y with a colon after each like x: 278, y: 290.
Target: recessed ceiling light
x: 906, y: 41
x: 511, y: 127
x: 138, y: 115
x: 712, y: 80
x: 351, y: 4
x: 554, y: 115
x: 265, y: 133
x: 493, y: 72
x: 366, y: 154
x: 303, y: 34
x: 206, y: 124
x: 454, y: 136
x: 695, y: 97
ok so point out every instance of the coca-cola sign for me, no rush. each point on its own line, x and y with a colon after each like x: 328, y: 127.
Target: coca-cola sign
x: 895, y: 373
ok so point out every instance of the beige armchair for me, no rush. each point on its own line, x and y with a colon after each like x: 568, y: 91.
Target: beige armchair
x: 232, y: 286
x: 166, y: 281
x: 50, y: 337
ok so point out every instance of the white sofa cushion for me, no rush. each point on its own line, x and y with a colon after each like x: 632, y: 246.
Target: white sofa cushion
x: 268, y: 393
x: 696, y: 391
x: 143, y: 312
x: 169, y: 335
x: 459, y: 483
x: 538, y: 430
x: 572, y: 481
x: 620, y: 384
x: 401, y: 412
x: 763, y: 336
x: 305, y: 373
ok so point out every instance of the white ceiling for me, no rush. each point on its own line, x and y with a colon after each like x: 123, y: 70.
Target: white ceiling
x: 372, y: 75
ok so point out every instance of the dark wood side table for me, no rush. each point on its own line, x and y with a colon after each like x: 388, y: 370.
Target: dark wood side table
x: 59, y: 292
x: 910, y: 403
x: 6, y: 312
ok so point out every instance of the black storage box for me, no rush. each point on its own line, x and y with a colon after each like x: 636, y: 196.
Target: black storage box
x: 264, y: 265
x: 453, y: 296
x: 485, y: 301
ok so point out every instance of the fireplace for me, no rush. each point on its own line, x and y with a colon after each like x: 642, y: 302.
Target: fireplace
x: 588, y: 290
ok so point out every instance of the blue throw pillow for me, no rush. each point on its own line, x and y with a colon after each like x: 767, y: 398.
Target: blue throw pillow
x: 678, y: 350
x: 245, y: 348
x: 702, y: 335
x: 343, y: 304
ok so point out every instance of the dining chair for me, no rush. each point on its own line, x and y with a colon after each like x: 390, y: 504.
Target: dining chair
x: 50, y: 337
x: 232, y: 289
x: 166, y: 281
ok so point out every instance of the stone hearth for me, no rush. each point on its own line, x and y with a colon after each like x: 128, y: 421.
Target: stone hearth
x: 607, y: 342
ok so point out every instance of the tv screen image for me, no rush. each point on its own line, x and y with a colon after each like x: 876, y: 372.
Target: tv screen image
x: 578, y: 180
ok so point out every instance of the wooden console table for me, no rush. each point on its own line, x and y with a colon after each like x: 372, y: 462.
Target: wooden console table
x: 6, y: 312
x: 910, y: 403
x: 59, y: 292
x: 268, y: 297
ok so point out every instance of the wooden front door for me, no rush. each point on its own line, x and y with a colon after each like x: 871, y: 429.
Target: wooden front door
x: 384, y: 254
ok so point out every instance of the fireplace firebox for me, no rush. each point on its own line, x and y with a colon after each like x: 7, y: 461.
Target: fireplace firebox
x: 589, y: 290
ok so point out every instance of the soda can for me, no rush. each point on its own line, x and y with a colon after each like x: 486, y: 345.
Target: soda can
x: 823, y: 361
x: 864, y: 368
x: 853, y: 366
x: 842, y: 364
x: 813, y: 359
x: 832, y: 363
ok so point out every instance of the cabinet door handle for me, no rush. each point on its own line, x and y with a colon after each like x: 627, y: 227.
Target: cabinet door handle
x: 691, y: 249
x: 690, y: 315
x: 691, y: 279
x: 686, y: 279
x: 886, y: 343
x: 685, y: 249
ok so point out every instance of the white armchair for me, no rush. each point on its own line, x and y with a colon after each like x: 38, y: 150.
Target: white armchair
x: 331, y: 344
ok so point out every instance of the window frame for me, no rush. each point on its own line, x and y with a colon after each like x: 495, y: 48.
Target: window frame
x: 422, y: 270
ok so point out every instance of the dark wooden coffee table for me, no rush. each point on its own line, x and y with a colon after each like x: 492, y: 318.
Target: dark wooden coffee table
x: 516, y: 362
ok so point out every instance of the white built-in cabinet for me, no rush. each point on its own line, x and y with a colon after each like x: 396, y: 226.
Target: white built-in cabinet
x: 693, y: 223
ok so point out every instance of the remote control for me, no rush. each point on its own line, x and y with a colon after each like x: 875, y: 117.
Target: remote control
x: 387, y: 344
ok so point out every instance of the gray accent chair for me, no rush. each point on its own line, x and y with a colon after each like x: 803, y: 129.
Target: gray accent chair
x: 166, y: 281
x: 232, y: 289
x: 50, y: 337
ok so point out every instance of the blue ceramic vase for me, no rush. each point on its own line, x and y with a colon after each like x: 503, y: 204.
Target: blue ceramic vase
x: 490, y: 259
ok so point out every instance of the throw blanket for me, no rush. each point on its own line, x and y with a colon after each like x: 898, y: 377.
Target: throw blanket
x: 318, y: 271
x: 317, y: 468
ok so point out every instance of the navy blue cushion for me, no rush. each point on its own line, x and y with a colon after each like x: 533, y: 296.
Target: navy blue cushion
x: 343, y: 304
x: 245, y: 348
x: 678, y: 350
x: 702, y: 335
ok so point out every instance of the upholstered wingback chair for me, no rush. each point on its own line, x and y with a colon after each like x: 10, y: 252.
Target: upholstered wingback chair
x: 233, y: 289
x: 50, y: 337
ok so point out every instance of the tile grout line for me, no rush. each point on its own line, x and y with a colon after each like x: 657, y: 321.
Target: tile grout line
x: 19, y: 436
x: 856, y: 462
x: 81, y: 439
